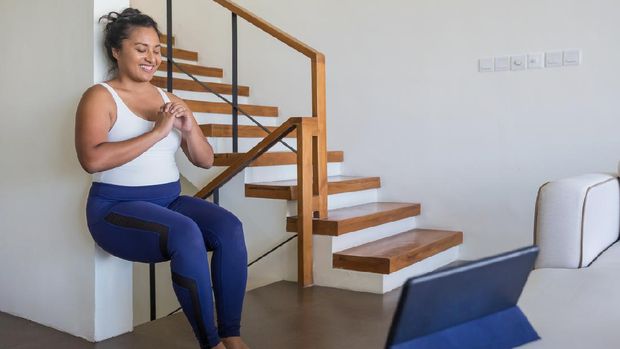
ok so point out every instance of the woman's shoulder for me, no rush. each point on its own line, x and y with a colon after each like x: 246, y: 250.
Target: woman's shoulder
x: 97, y: 95
x: 97, y: 92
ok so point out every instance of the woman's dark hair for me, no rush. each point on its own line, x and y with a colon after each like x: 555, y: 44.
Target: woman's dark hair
x: 119, y: 26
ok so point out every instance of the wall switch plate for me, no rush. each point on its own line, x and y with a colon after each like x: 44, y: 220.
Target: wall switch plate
x: 486, y: 65
x: 518, y: 62
x: 535, y: 60
x: 554, y: 59
x: 502, y: 63
x: 572, y: 57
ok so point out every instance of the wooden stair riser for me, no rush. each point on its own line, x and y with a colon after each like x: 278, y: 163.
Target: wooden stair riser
x: 393, y: 253
x: 191, y: 85
x: 193, y: 69
x: 326, y: 275
x: 217, y: 130
x: 289, y: 192
x: 225, y: 108
x: 336, y: 227
x: 180, y: 54
x: 272, y: 158
x: 163, y: 39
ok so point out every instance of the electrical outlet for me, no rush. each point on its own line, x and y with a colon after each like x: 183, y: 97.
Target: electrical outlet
x: 554, y: 59
x: 502, y: 63
x: 486, y: 65
x: 518, y: 62
x: 535, y: 60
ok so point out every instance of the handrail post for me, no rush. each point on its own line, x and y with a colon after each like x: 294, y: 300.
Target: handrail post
x: 319, y: 145
x: 235, y: 87
x: 304, y: 204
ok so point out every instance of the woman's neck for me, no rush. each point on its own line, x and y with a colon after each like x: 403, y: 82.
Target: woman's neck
x: 126, y: 83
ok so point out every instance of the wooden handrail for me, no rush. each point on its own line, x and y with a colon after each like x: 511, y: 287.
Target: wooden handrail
x: 311, y: 153
x: 269, y: 28
x: 319, y: 147
x: 307, y: 132
x: 244, y: 160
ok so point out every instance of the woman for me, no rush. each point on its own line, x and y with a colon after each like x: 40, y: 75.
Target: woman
x: 127, y: 132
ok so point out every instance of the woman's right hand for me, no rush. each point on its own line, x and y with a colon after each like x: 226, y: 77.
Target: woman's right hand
x: 164, y: 123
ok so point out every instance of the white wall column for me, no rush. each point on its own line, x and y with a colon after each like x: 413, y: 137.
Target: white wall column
x: 113, y: 276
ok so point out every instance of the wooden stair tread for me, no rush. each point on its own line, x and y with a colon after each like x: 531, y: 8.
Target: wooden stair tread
x: 180, y: 54
x: 393, y: 253
x: 194, y: 69
x: 191, y: 85
x: 225, y: 108
x: 272, y: 158
x: 348, y: 219
x: 245, y: 131
x: 287, y: 190
x: 163, y: 38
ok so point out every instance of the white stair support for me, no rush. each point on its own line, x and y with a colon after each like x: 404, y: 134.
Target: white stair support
x: 341, y: 200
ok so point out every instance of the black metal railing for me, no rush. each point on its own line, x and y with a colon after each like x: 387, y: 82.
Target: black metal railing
x: 235, y: 124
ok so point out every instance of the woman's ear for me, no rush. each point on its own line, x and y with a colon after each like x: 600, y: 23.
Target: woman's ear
x: 115, y: 53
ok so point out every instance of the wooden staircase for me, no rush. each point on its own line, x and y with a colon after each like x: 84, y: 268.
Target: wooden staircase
x: 360, y: 244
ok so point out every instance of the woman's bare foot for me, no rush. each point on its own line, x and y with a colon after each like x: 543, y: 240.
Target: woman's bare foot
x: 234, y: 343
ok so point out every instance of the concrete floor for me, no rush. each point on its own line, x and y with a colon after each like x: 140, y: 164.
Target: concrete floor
x: 277, y: 316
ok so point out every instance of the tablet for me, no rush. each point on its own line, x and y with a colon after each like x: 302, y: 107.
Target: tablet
x: 482, y: 293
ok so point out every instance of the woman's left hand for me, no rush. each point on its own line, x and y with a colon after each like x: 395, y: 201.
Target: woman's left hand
x: 184, y: 119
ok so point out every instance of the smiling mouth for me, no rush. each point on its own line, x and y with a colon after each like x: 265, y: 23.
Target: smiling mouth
x: 147, y: 68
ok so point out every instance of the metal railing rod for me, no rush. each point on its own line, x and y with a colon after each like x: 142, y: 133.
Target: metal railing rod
x: 206, y: 87
x: 169, y: 44
x: 235, y: 86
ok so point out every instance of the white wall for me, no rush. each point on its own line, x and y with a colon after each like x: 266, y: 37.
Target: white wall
x: 46, y: 254
x: 405, y: 100
x: 50, y: 270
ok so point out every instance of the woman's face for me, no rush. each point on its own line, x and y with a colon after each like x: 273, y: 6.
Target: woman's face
x: 140, y: 54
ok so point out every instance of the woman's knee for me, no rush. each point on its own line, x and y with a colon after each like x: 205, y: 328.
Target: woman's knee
x: 185, y: 235
x: 230, y: 232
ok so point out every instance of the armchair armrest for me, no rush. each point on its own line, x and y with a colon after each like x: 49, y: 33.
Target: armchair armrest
x: 576, y: 219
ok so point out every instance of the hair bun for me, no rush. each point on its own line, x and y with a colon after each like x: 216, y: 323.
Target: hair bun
x: 129, y: 12
x: 114, y: 16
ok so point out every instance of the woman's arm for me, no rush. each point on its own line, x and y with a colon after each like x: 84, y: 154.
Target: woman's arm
x: 94, y: 119
x: 194, y: 144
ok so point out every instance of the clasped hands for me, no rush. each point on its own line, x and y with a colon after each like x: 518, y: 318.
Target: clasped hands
x: 183, y: 120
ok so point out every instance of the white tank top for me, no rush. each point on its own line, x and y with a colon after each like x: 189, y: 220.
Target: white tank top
x: 156, y: 165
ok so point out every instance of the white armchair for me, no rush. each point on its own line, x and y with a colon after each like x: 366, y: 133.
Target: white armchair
x: 571, y: 298
x: 576, y: 219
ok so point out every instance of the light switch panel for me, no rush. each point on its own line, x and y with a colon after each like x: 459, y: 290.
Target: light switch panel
x: 572, y: 57
x: 554, y: 59
x: 502, y: 63
x: 486, y: 65
x: 535, y: 61
x: 518, y: 62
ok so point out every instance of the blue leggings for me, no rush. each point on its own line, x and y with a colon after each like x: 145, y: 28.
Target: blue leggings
x: 154, y: 224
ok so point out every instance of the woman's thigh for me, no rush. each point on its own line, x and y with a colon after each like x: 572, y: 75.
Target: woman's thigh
x: 136, y: 230
x: 218, y: 224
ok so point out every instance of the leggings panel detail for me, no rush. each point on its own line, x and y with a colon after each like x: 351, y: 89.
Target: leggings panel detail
x: 135, y: 223
x: 190, y: 285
